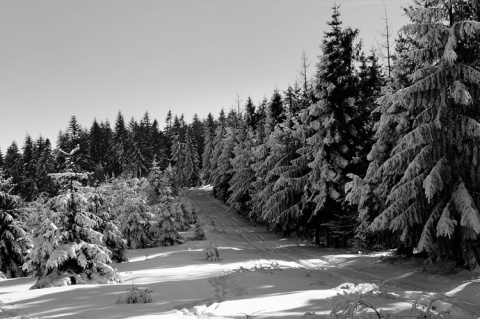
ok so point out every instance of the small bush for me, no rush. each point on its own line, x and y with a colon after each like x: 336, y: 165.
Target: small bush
x: 211, y: 252
x: 199, y: 233
x: 135, y: 295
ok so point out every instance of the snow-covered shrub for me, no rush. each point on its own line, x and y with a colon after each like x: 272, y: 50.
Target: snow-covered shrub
x: 199, y: 233
x: 211, y: 252
x: 129, y: 208
x: 68, y: 248
x: 135, y: 295
x: 14, y: 244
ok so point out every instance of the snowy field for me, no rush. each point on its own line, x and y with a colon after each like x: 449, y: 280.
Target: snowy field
x: 259, y: 275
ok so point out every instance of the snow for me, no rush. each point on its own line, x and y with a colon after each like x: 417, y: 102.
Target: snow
x: 259, y: 274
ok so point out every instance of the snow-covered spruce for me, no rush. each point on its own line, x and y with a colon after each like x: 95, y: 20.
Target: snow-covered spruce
x: 422, y: 184
x: 14, y: 244
x: 211, y: 252
x: 68, y: 247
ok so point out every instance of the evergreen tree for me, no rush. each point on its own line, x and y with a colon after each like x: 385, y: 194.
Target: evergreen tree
x: 159, y: 145
x: 427, y: 185
x: 190, y: 164
x: 334, y: 143
x: 95, y: 150
x: 68, y: 246
x: 178, y: 161
x: 137, y: 149
x: 2, y: 162
x: 14, y: 168
x: 243, y: 175
x: 250, y: 115
x: 29, y: 185
x: 119, y: 146
x: 108, y: 158
x: 222, y: 173
x: 168, y: 132
x: 197, y: 136
x: 46, y: 166
x: 220, y: 133
x: 207, y: 155
x: 275, y: 111
x: 14, y: 243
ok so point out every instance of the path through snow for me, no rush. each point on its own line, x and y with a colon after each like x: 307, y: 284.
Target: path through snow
x: 259, y: 275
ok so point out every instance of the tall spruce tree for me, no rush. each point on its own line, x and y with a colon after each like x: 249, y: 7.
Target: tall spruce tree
x: 190, y: 165
x: 207, y: 155
x: 29, y: 188
x: 14, y: 168
x: 333, y: 146
x: 119, y: 146
x: 46, y: 166
x: 428, y: 183
x: 14, y: 242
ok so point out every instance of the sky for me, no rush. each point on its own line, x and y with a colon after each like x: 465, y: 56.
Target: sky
x: 92, y: 59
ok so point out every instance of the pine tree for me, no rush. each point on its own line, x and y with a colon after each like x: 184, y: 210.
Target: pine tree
x: 220, y: 133
x: 250, y: 115
x: 178, y: 160
x: 196, y: 134
x: 190, y: 165
x: 29, y: 188
x: 14, y: 243
x: 1, y: 159
x: 137, y: 151
x: 14, y: 168
x: 46, y: 166
x: 427, y: 184
x: 275, y: 111
x: 159, y: 145
x: 119, y: 146
x: 168, y: 132
x: 67, y: 247
x: 333, y: 146
x: 108, y: 159
x: 207, y: 155
x: 243, y: 175
x: 222, y: 173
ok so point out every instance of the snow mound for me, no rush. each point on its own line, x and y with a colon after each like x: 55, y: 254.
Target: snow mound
x: 361, y: 288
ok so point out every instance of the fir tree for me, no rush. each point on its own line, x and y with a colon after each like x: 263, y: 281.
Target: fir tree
x: 427, y: 185
x: 119, y: 146
x: 207, y: 155
x: 222, y: 173
x: 178, y: 160
x: 67, y: 247
x: 190, y: 165
x: 220, y: 133
x: 243, y: 175
x: 46, y: 166
x: 29, y: 188
x: 196, y: 135
x: 333, y: 146
x: 158, y: 145
x: 2, y: 163
x: 14, y: 168
x: 14, y: 243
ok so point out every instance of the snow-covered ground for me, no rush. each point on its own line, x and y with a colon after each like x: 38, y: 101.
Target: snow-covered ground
x: 259, y: 275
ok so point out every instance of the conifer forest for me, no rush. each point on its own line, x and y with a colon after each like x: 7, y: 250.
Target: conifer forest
x: 375, y: 152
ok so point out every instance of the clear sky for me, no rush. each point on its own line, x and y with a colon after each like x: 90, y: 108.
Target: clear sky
x: 93, y: 58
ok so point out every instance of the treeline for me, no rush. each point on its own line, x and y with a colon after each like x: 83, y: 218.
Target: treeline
x: 286, y: 161
x: 127, y: 149
x: 357, y: 158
